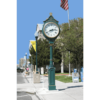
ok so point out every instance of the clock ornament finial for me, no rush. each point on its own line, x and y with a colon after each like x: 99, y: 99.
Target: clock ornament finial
x: 50, y: 14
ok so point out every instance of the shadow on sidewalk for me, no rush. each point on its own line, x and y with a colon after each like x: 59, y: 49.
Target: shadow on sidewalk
x: 70, y: 87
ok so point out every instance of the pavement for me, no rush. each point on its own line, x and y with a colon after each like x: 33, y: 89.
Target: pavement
x: 64, y: 91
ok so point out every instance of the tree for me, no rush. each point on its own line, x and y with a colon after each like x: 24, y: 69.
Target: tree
x: 72, y: 40
x: 43, y: 53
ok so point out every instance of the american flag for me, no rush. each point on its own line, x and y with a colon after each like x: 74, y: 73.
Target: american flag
x: 64, y: 4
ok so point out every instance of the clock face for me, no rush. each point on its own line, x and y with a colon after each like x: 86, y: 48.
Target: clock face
x: 51, y: 30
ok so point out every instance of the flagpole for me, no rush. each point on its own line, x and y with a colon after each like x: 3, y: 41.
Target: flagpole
x: 68, y: 17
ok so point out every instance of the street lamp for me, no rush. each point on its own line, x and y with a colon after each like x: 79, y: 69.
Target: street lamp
x: 36, y: 36
x: 26, y: 59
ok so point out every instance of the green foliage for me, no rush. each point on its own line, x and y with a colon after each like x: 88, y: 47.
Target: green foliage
x: 71, y: 39
x: 32, y: 57
x: 56, y: 55
x: 43, y: 54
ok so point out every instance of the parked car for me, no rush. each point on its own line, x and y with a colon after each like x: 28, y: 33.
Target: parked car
x: 19, y: 69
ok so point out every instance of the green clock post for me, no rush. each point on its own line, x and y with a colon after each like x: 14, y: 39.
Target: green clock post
x: 51, y: 30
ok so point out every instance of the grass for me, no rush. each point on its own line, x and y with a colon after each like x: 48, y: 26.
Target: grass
x: 65, y: 79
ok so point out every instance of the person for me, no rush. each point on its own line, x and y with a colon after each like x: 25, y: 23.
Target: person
x: 27, y: 69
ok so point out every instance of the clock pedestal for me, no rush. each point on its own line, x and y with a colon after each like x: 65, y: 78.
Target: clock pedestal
x: 51, y: 72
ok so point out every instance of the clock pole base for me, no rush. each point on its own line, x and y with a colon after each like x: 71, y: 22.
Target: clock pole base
x: 52, y: 87
x: 51, y: 78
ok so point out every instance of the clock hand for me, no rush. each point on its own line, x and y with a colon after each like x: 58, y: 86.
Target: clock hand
x: 51, y: 30
x: 48, y: 31
x: 55, y: 29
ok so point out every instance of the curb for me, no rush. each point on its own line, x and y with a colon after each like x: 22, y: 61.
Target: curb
x: 39, y: 97
x: 26, y: 92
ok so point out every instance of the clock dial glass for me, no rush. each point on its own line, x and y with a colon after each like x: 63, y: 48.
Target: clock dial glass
x: 51, y: 30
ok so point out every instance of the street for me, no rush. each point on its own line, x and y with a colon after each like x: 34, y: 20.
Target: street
x: 22, y: 95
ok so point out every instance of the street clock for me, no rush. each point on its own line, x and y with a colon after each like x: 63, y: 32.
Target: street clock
x: 51, y: 31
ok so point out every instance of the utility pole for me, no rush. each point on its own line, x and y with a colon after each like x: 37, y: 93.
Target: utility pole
x: 69, y: 63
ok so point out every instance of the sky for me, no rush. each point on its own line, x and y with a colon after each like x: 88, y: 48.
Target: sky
x: 33, y: 12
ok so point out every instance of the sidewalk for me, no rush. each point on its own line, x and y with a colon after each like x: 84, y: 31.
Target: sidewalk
x: 65, y: 91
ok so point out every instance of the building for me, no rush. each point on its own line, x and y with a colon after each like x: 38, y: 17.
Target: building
x: 39, y: 30
x: 24, y: 65
x: 21, y: 62
x: 17, y: 65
